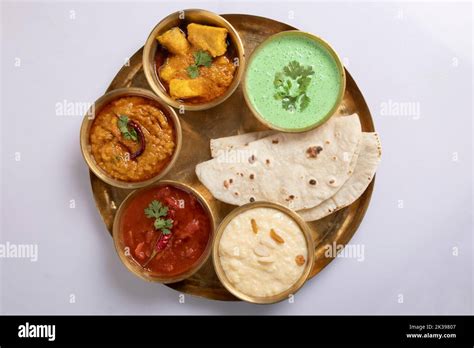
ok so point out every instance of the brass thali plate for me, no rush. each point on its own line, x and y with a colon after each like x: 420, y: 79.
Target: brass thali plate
x: 230, y: 118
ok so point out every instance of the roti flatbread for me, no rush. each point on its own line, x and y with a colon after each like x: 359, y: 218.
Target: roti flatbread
x: 299, y: 170
x: 354, y: 187
x: 225, y: 145
x: 369, y: 153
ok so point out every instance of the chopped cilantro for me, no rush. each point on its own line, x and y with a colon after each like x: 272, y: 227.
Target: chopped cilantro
x: 293, y: 98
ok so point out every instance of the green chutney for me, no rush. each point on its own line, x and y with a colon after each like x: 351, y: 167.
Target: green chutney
x: 275, y: 90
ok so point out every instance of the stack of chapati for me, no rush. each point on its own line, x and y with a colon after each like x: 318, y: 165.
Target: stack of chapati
x: 314, y: 173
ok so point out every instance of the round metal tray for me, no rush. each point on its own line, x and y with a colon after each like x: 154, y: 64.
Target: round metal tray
x: 230, y: 118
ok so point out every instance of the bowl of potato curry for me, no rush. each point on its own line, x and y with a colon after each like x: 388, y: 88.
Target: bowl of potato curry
x: 193, y: 59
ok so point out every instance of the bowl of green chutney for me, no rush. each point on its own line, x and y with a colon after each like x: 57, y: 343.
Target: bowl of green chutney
x: 294, y: 81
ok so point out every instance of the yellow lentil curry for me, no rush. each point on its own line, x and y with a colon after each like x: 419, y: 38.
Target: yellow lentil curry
x: 132, y: 139
x: 195, y: 68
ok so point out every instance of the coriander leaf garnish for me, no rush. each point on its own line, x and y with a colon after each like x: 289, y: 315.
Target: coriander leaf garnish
x: 130, y: 134
x: 163, y: 225
x: 294, y: 70
x: 279, y: 79
x: 156, y: 210
x: 304, y: 102
x: 193, y: 71
x: 291, y: 85
x: 201, y: 58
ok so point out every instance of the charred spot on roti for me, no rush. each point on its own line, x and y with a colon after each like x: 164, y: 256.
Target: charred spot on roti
x: 252, y: 159
x: 327, y: 142
x: 236, y: 193
x: 332, y: 182
x: 275, y: 141
x: 252, y: 176
x: 312, y: 182
x: 231, y: 181
x: 267, y: 161
x: 334, y: 158
x: 313, y: 151
x: 290, y: 198
x: 251, y: 199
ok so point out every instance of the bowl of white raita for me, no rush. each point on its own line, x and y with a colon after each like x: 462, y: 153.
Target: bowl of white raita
x: 263, y: 252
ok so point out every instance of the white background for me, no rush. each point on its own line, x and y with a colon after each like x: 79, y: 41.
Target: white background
x: 397, y: 52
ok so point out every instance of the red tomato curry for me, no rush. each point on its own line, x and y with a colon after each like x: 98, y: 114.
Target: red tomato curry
x: 175, y: 248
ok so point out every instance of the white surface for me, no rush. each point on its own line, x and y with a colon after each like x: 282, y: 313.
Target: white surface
x: 401, y: 52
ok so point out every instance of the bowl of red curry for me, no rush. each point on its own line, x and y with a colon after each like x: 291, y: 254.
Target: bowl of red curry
x: 130, y: 138
x: 164, y: 232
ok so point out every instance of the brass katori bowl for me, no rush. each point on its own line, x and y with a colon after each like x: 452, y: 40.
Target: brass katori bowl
x: 268, y: 299
x: 330, y: 51
x: 179, y: 19
x: 133, y: 266
x: 95, y: 110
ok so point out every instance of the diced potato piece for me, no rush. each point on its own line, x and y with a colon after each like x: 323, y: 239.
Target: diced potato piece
x: 183, y: 89
x: 166, y: 72
x: 175, y: 67
x: 172, y: 67
x: 208, y: 38
x: 174, y: 41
